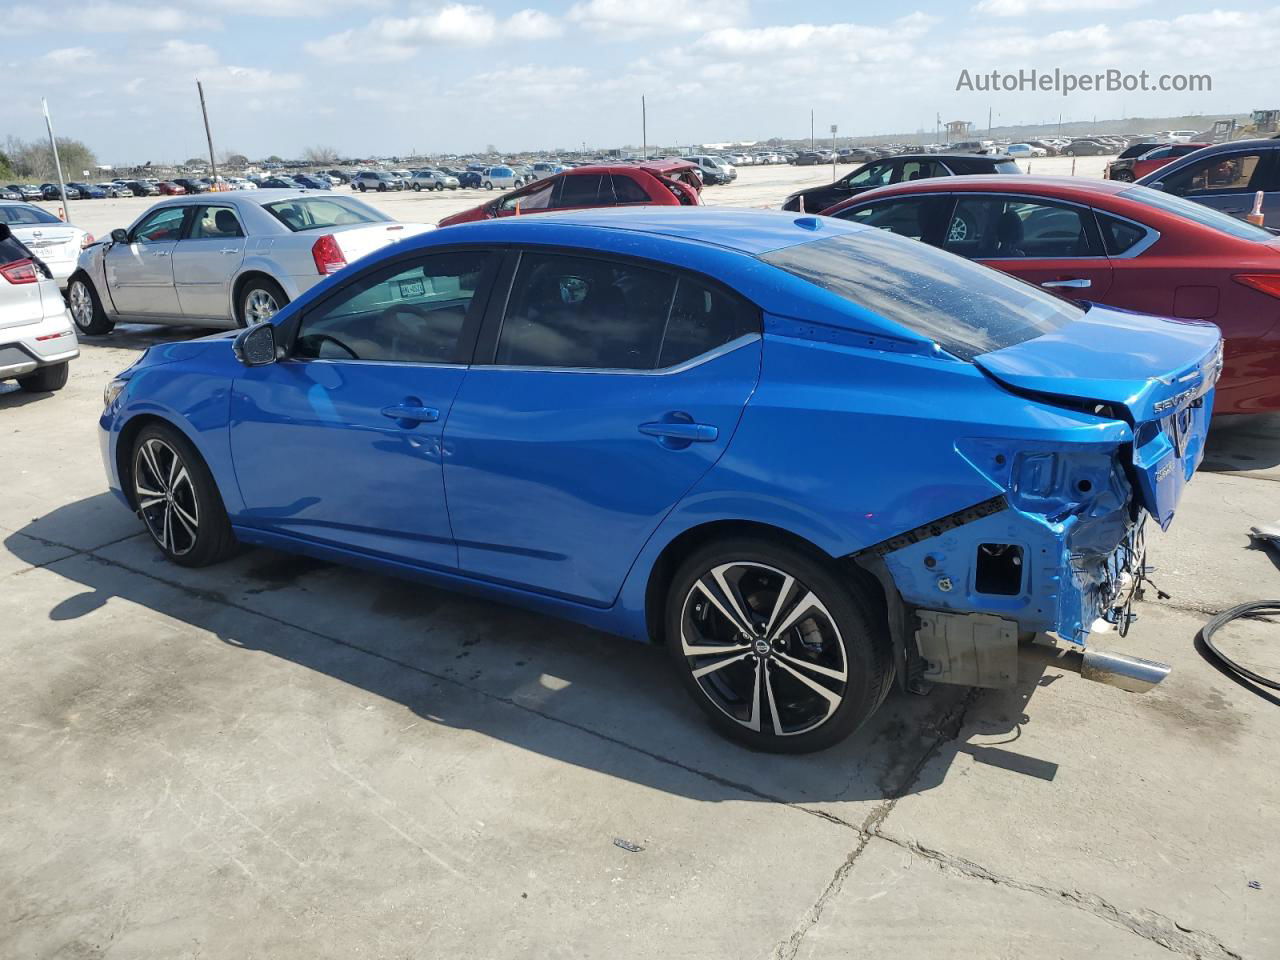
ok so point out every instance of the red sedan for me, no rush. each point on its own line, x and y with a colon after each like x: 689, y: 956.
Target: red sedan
x: 1116, y: 243
x: 663, y: 183
x: 170, y: 189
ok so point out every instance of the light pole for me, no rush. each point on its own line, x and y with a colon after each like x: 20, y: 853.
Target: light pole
x: 833, y: 151
x: 57, y: 164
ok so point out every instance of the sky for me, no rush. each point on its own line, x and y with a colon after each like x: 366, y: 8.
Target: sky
x: 385, y: 77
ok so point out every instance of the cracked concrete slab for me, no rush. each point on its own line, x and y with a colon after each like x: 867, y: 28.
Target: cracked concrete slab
x: 897, y: 903
x: 174, y: 789
x: 1161, y: 803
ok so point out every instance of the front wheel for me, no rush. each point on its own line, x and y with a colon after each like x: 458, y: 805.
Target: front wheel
x: 176, y: 496
x: 488, y: 185
x: 86, y: 309
x: 781, y: 651
x: 417, y: 188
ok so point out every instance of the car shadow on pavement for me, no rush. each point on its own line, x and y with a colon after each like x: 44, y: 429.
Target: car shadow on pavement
x: 544, y: 685
x: 140, y: 336
x: 1243, y: 443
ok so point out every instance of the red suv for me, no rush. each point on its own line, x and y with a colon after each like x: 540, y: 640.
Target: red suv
x: 1129, y: 169
x: 662, y: 183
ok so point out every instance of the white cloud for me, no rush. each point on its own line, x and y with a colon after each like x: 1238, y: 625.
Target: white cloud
x: 399, y: 38
x: 291, y: 8
x: 107, y: 16
x: 629, y: 19
x: 1021, y: 8
x: 850, y: 38
x: 180, y: 53
x: 250, y: 79
x: 68, y: 56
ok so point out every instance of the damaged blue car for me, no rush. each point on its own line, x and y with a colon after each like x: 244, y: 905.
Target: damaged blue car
x: 813, y: 459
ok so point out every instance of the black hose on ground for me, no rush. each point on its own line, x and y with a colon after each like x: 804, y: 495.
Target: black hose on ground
x: 1255, y: 609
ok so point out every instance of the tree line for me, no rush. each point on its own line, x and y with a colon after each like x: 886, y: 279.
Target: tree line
x: 32, y: 160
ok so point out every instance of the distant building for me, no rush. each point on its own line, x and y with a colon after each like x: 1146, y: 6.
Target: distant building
x: 959, y: 129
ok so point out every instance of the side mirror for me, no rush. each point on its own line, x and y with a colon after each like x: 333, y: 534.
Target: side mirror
x: 119, y: 236
x: 256, y: 346
x: 1158, y: 185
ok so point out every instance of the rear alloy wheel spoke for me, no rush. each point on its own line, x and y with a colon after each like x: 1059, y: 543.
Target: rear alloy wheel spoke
x: 719, y: 664
x: 185, y: 517
x: 773, y: 706
x: 808, y: 602
x: 833, y: 699
x: 840, y: 675
x: 753, y: 722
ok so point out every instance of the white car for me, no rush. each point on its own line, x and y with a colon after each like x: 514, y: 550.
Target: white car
x: 37, y: 341
x: 56, y: 244
x: 1025, y: 150
x: 224, y: 259
x: 241, y: 183
x: 501, y: 178
x: 544, y: 169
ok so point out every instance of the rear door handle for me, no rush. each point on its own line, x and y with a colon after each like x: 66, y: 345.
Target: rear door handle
x: 409, y: 413
x: 1075, y: 283
x: 679, y: 430
x: 229, y: 250
x: 160, y: 253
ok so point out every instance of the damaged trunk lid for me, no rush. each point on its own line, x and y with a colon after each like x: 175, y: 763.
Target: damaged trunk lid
x: 1157, y: 374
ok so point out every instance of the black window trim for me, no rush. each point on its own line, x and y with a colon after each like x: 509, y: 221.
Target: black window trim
x: 486, y: 351
x: 287, y: 332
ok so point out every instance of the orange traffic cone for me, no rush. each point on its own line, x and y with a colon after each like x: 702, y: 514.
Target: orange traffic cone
x: 62, y: 214
x: 1255, y: 215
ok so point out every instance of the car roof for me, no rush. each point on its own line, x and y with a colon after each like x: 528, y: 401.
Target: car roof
x: 1022, y: 183
x: 750, y: 232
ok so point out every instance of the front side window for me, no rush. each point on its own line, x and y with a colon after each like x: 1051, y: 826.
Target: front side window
x: 580, y: 190
x: 319, y: 213
x: 408, y: 313
x: 918, y: 218
x: 537, y: 197
x: 212, y: 222
x: 1003, y: 228
x: 1210, y: 175
x: 967, y: 309
x: 160, y: 226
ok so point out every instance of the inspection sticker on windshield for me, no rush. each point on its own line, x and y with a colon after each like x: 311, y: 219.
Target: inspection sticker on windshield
x: 410, y: 288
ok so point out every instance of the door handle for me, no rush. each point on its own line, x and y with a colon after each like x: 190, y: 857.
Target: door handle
x: 681, y: 430
x: 229, y: 250
x: 408, y: 413
x: 1075, y: 283
x: 160, y: 253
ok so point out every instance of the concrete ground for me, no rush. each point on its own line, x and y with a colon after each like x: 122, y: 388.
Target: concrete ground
x: 277, y: 758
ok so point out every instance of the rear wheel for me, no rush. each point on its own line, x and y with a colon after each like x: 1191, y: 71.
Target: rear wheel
x: 417, y: 188
x: 86, y: 309
x: 260, y: 299
x: 779, y: 652
x: 176, y: 497
x: 46, y: 379
x: 488, y: 185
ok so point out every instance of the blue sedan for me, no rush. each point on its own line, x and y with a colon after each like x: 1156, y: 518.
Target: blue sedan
x: 809, y: 457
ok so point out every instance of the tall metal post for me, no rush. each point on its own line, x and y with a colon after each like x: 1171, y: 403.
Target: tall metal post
x: 213, y: 166
x: 644, y: 130
x: 811, y: 131
x: 57, y: 163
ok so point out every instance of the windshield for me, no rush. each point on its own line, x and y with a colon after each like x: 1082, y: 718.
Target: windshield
x: 22, y: 213
x: 1206, y: 216
x: 318, y: 213
x: 966, y: 308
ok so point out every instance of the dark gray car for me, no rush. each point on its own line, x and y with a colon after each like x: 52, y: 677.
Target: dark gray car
x: 911, y: 166
x: 1226, y: 176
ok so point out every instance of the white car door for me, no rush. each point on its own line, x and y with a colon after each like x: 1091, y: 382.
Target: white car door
x: 206, y: 259
x: 140, y: 271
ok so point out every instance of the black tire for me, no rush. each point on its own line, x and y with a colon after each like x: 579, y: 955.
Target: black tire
x: 195, y: 497
x: 439, y: 187
x: 249, y: 310
x: 46, y: 379
x: 382, y: 188
x: 844, y: 634
x: 86, y: 309
x: 417, y: 188
x: 488, y: 185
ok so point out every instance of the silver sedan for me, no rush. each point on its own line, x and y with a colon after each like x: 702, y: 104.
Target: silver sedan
x: 223, y: 259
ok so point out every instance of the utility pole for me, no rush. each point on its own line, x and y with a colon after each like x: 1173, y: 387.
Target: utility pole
x: 57, y: 164
x: 213, y: 166
x: 988, y: 121
x: 811, y: 131
x: 937, y: 128
x: 644, y: 130
x: 833, y: 151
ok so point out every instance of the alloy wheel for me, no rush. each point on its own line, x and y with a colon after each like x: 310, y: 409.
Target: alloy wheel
x: 763, y: 648
x: 166, y: 497
x: 259, y: 306
x: 81, y: 304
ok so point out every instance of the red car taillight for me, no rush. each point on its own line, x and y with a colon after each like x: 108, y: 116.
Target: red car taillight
x: 328, y: 255
x: 1268, y: 283
x: 87, y: 241
x: 20, y: 271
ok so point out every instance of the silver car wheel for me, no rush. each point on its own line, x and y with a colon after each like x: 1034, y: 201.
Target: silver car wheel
x: 166, y: 497
x: 81, y: 304
x: 763, y: 648
x: 259, y: 305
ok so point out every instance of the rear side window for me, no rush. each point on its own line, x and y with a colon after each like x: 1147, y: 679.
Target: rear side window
x: 573, y: 312
x: 967, y: 309
x: 1197, y: 212
x: 1118, y: 235
x: 1006, y: 166
x: 317, y: 213
x: 626, y: 190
